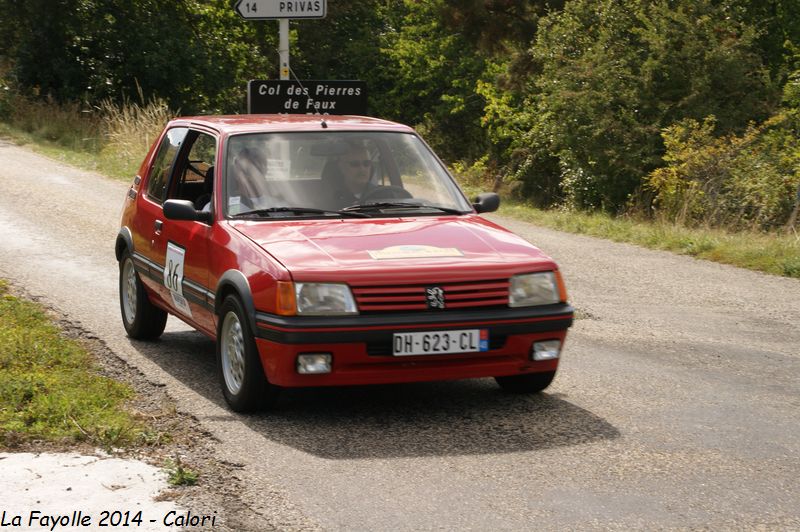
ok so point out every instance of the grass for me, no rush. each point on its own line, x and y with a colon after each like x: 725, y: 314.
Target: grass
x: 766, y: 252
x: 178, y: 474
x: 50, y: 389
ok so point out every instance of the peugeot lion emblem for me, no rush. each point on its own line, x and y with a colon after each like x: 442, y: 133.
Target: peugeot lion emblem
x: 435, y: 297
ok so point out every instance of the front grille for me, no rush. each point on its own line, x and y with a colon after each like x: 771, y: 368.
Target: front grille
x: 394, y: 298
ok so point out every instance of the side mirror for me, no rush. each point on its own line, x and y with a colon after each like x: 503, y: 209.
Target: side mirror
x: 184, y: 210
x: 486, y: 202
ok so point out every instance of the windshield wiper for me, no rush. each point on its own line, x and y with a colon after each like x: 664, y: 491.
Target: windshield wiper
x: 399, y: 205
x: 298, y: 210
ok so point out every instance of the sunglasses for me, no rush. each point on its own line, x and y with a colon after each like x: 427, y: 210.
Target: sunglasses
x: 366, y: 163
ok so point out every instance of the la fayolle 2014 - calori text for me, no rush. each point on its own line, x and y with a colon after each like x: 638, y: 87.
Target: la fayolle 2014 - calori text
x: 107, y: 518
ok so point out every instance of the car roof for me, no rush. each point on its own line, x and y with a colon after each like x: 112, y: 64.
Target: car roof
x: 231, y: 124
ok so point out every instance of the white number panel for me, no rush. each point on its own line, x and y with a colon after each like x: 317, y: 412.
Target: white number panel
x: 173, y: 277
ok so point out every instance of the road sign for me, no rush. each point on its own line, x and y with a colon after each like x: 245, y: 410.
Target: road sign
x: 333, y: 97
x: 275, y: 9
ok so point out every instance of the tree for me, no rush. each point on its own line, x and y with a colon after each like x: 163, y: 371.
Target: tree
x: 431, y: 73
x: 197, y: 55
x: 613, y: 74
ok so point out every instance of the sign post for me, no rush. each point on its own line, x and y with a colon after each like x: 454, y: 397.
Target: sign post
x: 283, y: 47
x: 284, y: 96
x: 283, y: 10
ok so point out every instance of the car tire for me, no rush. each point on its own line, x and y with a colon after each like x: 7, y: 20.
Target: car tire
x: 142, y: 319
x: 528, y: 383
x: 244, y: 383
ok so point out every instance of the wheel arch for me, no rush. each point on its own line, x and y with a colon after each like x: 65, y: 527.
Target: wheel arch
x: 235, y: 282
x: 124, y: 240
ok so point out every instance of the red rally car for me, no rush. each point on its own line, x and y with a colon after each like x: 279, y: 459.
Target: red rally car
x: 331, y: 251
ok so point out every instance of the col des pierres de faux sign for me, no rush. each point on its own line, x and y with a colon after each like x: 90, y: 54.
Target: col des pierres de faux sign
x: 333, y: 97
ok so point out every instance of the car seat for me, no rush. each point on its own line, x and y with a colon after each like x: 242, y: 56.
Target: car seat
x: 208, y: 189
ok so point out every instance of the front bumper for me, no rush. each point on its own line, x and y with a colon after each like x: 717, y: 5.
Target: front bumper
x: 361, y: 346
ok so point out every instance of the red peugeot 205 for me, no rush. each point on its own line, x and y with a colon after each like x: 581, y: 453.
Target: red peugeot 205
x: 335, y: 251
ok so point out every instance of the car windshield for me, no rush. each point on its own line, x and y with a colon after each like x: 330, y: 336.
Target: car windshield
x: 321, y: 173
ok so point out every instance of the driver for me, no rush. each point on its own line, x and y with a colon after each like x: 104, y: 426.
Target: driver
x: 355, y: 168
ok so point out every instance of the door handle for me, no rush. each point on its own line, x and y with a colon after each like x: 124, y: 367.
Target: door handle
x: 157, y: 226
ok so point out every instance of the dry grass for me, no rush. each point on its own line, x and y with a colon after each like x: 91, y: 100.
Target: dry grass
x: 75, y: 126
x: 109, y: 138
x: 130, y: 129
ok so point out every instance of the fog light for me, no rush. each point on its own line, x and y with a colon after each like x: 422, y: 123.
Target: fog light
x: 314, y: 363
x: 547, y: 350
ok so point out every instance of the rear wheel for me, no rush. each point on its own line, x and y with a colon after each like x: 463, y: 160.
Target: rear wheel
x: 142, y: 319
x: 242, y: 377
x: 528, y: 383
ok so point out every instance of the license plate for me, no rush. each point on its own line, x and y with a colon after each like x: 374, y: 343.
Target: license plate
x: 440, y: 342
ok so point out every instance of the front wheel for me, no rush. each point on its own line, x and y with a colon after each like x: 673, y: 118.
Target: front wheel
x: 242, y: 377
x: 142, y: 319
x: 527, y: 383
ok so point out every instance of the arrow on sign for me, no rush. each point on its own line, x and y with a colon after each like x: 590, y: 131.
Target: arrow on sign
x: 276, y: 9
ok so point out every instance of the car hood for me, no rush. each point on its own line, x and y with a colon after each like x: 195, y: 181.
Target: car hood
x: 446, y: 248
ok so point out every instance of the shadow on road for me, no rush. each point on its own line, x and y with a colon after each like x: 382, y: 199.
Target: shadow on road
x: 392, y: 421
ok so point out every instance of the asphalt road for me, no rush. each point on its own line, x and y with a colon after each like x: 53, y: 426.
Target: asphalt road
x: 677, y: 403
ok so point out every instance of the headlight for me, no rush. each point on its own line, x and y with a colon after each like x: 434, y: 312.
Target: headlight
x: 531, y: 289
x: 322, y: 299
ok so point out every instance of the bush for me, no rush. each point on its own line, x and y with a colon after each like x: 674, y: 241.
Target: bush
x: 739, y: 182
x: 614, y: 73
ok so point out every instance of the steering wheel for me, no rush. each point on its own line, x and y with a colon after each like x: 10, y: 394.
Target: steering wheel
x: 385, y: 192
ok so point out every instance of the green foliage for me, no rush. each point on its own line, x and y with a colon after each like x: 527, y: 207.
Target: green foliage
x: 49, y: 388
x: 614, y: 73
x: 739, y: 182
x: 497, y: 25
x: 178, y: 474
x: 196, y: 55
x: 345, y: 44
x: 433, y: 81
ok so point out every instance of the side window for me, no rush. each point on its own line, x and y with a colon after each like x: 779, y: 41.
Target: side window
x: 195, y: 168
x: 159, y: 173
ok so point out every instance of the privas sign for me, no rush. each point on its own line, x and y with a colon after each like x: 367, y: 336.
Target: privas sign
x: 275, y: 9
